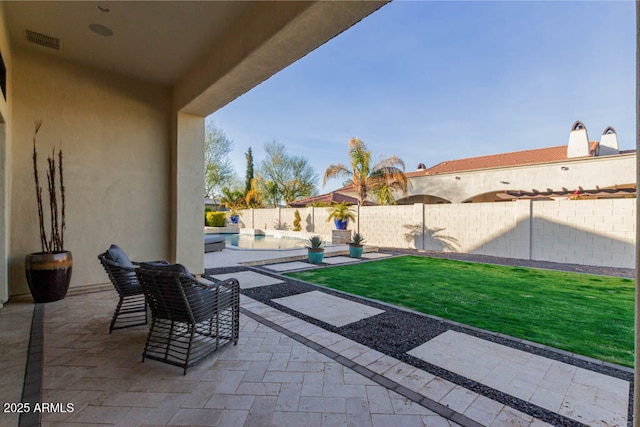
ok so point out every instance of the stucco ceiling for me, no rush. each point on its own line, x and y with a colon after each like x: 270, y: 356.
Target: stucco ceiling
x: 155, y: 41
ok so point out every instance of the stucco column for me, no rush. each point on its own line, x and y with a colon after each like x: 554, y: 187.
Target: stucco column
x: 187, y: 200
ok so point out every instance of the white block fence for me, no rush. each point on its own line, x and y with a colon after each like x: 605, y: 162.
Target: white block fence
x: 589, y: 232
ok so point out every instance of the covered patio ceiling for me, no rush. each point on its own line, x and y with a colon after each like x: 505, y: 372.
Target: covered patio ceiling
x: 201, y: 49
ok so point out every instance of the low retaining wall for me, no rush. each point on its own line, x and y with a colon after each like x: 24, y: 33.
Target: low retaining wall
x: 589, y: 232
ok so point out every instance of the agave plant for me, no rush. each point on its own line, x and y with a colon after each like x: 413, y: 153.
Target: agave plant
x: 315, y: 243
x: 356, y: 239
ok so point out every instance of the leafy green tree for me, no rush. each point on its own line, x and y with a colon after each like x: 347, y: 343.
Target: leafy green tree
x: 285, y: 177
x: 232, y: 198
x: 381, y: 179
x: 249, y: 175
x: 218, y: 170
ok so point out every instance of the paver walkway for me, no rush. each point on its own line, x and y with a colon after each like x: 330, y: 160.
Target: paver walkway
x: 268, y: 379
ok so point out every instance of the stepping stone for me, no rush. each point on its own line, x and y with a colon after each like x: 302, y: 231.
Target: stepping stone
x: 580, y: 394
x: 249, y: 279
x: 289, y: 266
x: 339, y: 260
x: 374, y: 255
x: 330, y: 309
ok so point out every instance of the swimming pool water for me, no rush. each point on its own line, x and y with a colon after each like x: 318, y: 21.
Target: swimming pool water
x: 247, y: 241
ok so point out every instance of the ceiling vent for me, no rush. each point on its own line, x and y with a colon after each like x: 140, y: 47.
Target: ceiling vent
x: 43, y: 40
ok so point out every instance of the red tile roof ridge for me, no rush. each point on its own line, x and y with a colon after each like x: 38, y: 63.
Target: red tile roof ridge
x: 489, y: 161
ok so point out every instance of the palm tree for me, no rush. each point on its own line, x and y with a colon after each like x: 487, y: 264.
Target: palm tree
x: 380, y: 179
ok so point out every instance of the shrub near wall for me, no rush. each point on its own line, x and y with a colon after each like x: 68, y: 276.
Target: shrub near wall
x: 216, y: 219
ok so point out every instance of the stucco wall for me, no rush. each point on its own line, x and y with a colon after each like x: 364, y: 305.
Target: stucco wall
x: 591, y: 232
x: 588, y: 173
x: 115, y: 134
x: 5, y: 164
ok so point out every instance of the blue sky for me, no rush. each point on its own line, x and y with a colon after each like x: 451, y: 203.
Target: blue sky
x: 430, y: 81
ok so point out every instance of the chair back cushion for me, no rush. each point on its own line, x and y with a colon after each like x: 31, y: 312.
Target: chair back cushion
x: 169, y: 282
x: 118, y: 256
x: 123, y: 278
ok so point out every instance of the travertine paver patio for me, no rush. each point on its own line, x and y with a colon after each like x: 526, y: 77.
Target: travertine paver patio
x: 268, y: 379
x: 328, y: 308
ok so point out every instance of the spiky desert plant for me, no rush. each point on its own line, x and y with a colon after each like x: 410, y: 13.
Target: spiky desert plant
x: 315, y: 243
x: 356, y: 239
x: 54, y: 241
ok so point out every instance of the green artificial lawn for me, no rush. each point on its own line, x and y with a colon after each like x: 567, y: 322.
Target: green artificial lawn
x: 580, y: 313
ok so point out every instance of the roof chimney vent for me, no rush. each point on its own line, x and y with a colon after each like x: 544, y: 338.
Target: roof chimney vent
x: 43, y: 40
x: 609, y: 142
x: 578, y: 141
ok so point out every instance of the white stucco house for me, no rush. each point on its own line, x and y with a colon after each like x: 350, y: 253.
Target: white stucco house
x: 581, y: 168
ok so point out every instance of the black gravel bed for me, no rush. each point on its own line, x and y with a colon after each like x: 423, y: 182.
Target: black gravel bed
x: 547, y: 265
x: 397, y: 331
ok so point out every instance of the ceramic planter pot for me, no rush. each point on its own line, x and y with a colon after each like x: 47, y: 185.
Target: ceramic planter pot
x: 341, y: 224
x: 234, y: 219
x: 48, y: 275
x: 355, y: 251
x: 315, y: 256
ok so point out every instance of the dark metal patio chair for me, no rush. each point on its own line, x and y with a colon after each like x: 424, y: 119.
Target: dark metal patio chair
x: 132, y: 306
x: 189, y: 319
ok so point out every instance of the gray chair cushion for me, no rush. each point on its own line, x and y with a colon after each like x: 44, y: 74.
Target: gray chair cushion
x: 175, y: 268
x: 195, y: 295
x: 118, y: 256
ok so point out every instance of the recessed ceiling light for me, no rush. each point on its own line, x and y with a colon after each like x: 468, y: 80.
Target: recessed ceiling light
x: 101, y: 30
x: 103, y: 8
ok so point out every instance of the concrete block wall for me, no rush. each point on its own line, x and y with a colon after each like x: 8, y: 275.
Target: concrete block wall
x: 265, y: 219
x: 391, y: 226
x: 306, y: 218
x: 482, y: 228
x: 589, y: 232
x: 321, y: 225
x: 596, y: 232
x: 287, y: 216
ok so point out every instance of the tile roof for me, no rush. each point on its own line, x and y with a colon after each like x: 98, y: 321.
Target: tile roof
x: 326, y: 198
x: 540, y: 155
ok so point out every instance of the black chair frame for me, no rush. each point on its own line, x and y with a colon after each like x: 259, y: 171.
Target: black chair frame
x: 132, y: 305
x: 190, y: 320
